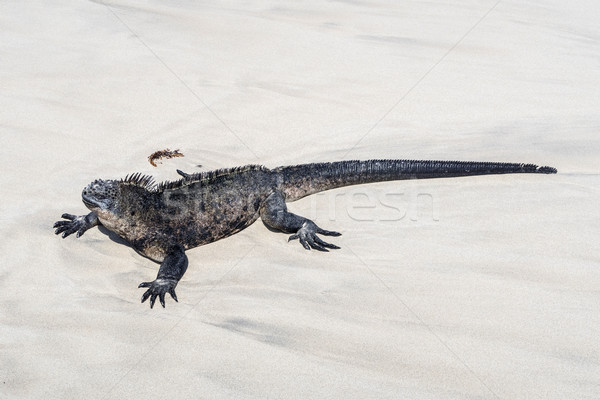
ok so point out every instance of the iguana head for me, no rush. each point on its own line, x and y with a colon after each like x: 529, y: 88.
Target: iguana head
x: 117, y: 201
x: 101, y: 196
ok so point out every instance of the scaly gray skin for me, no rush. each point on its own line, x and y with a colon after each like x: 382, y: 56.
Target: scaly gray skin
x: 162, y: 221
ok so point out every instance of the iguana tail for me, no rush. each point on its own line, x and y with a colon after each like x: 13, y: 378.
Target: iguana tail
x: 306, y: 179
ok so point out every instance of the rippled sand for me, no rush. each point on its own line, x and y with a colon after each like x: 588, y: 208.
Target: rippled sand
x: 483, y: 287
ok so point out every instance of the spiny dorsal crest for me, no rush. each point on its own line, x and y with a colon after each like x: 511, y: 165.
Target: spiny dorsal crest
x: 147, y: 181
x: 208, y: 177
x: 137, y: 179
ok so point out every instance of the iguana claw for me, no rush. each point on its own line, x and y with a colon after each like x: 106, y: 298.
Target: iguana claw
x: 75, y: 223
x: 307, y: 235
x: 158, y: 288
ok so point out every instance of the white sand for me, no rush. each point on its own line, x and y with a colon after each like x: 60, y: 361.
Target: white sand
x: 491, y: 293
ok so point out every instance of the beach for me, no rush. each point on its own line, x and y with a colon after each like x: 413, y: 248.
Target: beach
x: 482, y: 287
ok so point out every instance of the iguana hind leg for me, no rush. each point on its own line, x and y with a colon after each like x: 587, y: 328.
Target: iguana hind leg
x: 275, y: 215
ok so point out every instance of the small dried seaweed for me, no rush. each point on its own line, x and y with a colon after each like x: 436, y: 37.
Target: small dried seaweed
x: 166, y: 153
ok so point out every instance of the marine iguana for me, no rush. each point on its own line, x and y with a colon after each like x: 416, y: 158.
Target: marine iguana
x: 162, y: 221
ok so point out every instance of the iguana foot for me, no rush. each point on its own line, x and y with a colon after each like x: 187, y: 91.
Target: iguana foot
x: 307, y: 235
x: 75, y: 223
x: 158, y: 288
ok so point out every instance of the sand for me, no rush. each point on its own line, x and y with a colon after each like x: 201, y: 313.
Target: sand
x: 471, y: 288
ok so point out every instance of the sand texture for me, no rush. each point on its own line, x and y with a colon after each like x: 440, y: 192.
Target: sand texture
x: 470, y: 288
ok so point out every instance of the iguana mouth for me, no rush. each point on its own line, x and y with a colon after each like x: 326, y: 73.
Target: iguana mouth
x: 89, y: 202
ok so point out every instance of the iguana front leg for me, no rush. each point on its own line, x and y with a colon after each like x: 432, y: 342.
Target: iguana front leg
x: 75, y: 223
x: 170, y: 272
x: 275, y: 215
